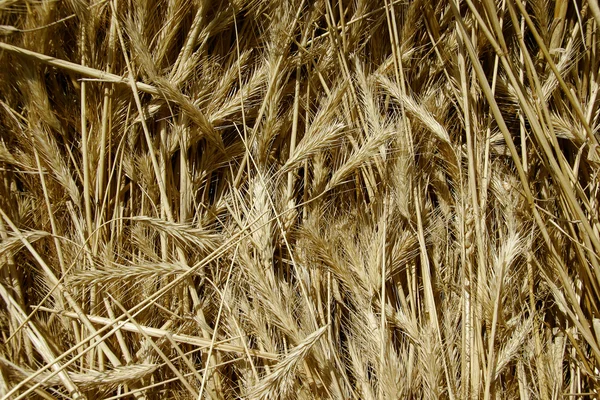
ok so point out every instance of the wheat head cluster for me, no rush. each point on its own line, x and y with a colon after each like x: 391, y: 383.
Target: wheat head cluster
x: 299, y: 199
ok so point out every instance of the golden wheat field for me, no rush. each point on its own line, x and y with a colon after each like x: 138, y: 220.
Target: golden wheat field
x: 299, y: 199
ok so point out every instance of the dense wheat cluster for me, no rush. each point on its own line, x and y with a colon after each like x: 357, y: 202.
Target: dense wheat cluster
x: 296, y: 199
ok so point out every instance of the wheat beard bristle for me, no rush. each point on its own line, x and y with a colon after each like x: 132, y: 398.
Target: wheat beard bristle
x: 299, y: 199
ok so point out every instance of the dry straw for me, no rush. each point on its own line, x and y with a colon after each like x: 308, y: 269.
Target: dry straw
x: 299, y: 199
